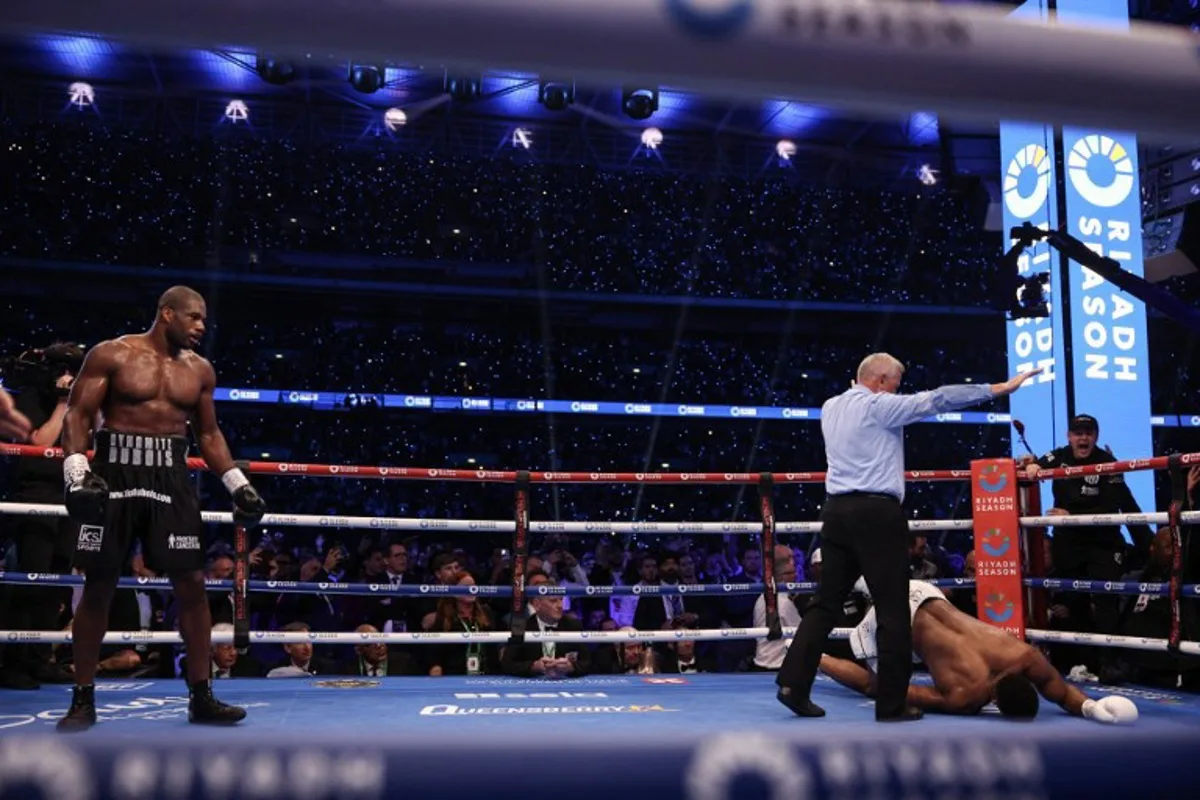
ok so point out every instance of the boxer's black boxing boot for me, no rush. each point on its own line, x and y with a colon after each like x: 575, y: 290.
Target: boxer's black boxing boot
x: 204, y: 709
x: 800, y: 706
x: 82, y: 713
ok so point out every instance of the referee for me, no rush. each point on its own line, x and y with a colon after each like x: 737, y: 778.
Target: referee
x: 864, y: 531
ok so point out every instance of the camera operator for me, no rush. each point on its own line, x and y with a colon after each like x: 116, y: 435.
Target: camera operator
x: 42, y: 380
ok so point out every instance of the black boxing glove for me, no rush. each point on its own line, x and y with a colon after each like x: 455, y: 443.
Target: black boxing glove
x: 86, y: 492
x: 248, y: 505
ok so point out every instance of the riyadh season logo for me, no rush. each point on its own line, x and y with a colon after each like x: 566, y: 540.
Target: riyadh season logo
x: 998, y: 607
x: 992, y: 480
x: 1031, y: 164
x: 1096, y: 160
x: 995, y: 543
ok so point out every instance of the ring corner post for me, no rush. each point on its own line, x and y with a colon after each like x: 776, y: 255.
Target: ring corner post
x: 997, y: 534
x: 1174, y: 523
x: 766, y: 504
x: 520, y: 552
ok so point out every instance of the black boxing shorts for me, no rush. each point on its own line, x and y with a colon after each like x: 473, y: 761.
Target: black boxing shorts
x: 150, y: 498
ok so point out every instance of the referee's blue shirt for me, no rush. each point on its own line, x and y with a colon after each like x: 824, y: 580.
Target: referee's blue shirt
x: 864, y: 433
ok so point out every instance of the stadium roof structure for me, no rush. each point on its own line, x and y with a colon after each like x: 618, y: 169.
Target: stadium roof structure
x: 477, y: 114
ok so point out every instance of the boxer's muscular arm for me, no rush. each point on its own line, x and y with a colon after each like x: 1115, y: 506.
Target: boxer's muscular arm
x: 212, y: 443
x: 862, y: 680
x: 849, y: 674
x: 1042, y: 674
x: 87, y: 396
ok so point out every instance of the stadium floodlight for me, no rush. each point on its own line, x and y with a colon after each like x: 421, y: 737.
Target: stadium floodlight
x: 639, y: 103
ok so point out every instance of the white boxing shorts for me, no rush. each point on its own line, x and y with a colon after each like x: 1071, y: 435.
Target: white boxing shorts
x: 862, y: 637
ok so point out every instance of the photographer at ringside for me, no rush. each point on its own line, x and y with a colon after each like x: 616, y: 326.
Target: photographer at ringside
x: 41, y: 380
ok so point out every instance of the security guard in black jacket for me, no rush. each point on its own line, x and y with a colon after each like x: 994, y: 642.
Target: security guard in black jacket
x: 1092, y: 552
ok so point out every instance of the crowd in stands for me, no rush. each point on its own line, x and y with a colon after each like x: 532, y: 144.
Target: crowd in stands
x: 74, y: 191
x: 317, y: 349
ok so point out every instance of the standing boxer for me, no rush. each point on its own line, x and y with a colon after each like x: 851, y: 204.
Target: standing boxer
x: 148, y: 386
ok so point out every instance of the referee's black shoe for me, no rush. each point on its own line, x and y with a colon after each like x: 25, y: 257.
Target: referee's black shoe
x: 204, y: 709
x: 800, y: 706
x: 910, y: 715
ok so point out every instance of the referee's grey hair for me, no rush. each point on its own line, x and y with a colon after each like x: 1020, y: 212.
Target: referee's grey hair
x: 879, y: 364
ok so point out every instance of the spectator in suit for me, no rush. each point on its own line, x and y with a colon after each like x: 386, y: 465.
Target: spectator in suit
x: 376, y: 660
x: 681, y: 658
x: 552, y: 659
x: 301, y: 661
x: 373, y: 610
x: 462, y: 613
x: 655, y: 612
x: 316, y: 611
x: 227, y: 662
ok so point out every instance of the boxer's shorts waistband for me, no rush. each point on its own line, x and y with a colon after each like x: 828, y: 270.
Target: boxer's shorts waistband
x: 141, y: 450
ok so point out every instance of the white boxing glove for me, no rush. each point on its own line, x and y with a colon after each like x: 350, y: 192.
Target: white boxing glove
x: 1111, y: 710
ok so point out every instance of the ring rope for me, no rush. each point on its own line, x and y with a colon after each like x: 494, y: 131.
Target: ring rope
x: 18, y: 578
x: 1079, y: 520
x: 426, y: 590
x: 503, y: 637
x: 507, y: 526
x: 504, y: 476
x: 510, y: 476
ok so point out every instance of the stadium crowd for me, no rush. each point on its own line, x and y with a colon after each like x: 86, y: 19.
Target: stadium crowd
x: 74, y: 191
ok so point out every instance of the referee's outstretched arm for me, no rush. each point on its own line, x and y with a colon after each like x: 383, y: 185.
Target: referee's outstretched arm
x: 898, y: 410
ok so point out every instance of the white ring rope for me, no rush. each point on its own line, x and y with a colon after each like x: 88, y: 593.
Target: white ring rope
x: 1079, y: 520
x: 871, y: 56
x: 1099, y: 640
x: 500, y: 526
x: 507, y: 526
x: 502, y: 637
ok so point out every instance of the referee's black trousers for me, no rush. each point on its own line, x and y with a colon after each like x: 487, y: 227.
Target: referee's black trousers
x: 867, y: 535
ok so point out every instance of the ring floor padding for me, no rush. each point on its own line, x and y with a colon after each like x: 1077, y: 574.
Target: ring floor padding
x: 699, y: 736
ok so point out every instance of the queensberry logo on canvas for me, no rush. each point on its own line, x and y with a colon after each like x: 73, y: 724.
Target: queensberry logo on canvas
x: 992, y: 480
x: 998, y: 607
x: 995, y: 543
x: 710, y: 18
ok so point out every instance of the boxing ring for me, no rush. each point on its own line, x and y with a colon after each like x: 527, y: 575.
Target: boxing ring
x: 663, y: 735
